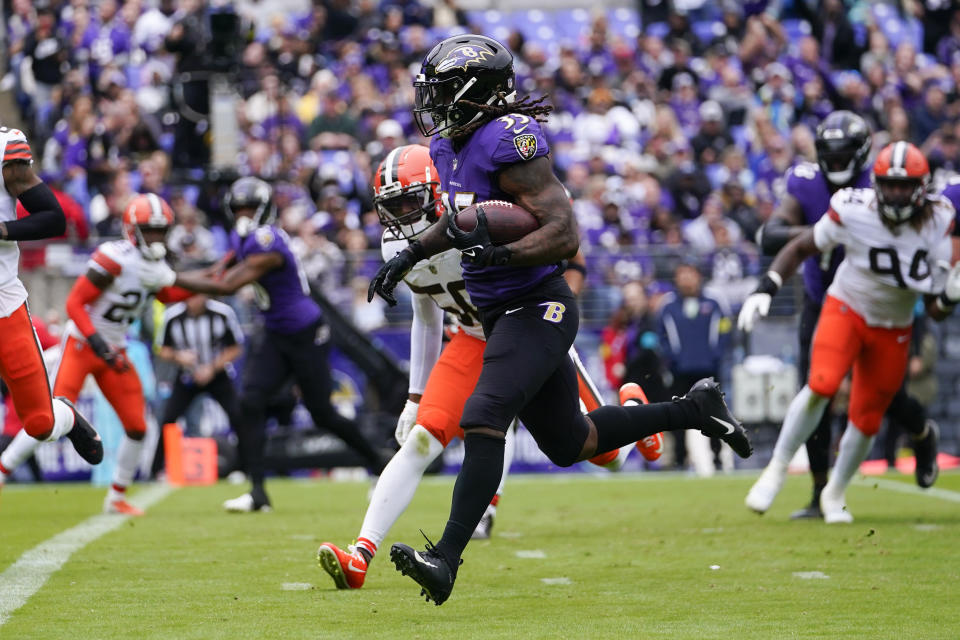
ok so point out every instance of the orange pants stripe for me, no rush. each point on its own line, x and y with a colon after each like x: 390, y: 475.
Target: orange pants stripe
x: 877, y: 355
x: 122, y: 389
x: 22, y: 368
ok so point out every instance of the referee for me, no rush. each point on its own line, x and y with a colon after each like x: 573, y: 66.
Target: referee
x: 203, y: 338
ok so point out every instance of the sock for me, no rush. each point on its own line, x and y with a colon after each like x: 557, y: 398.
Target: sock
x: 117, y: 492
x: 63, y: 418
x: 908, y: 413
x: 366, y: 548
x: 128, y: 459
x: 916, y: 437
x: 21, y: 448
x: 854, y: 447
x: 819, y: 482
x: 509, y: 447
x: 618, y: 426
x: 397, y: 484
x: 803, y: 416
x: 475, y: 487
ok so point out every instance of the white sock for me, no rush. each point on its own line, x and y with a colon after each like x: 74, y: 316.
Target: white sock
x: 398, y: 482
x: 128, y: 460
x: 63, y: 418
x: 19, y: 449
x: 803, y: 416
x: 854, y: 447
x: 508, y: 449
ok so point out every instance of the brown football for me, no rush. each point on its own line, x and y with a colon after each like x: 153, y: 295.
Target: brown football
x: 506, y: 221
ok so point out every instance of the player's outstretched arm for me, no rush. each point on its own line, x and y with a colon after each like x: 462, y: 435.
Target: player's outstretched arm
x: 786, y: 263
x: 250, y: 269
x: 784, y: 225
x: 534, y: 187
x: 46, y: 219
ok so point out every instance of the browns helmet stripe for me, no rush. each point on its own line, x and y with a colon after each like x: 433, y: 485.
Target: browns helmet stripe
x: 898, y: 160
x: 391, y: 167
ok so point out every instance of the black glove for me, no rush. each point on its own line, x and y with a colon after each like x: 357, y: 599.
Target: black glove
x: 115, y: 359
x: 392, y: 272
x: 476, y: 245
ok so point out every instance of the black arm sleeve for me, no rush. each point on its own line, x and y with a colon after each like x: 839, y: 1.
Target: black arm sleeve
x: 774, y: 235
x: 46, y: 219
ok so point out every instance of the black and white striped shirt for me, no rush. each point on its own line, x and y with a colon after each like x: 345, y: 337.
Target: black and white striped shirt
x: 207, y: 334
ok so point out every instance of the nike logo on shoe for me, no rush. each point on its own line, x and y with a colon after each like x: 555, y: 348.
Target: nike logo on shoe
x: 730, y: 428
x: 426, y: 562
x: 354, y: 568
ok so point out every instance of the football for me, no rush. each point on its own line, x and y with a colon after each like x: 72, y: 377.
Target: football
x: 506, y: 221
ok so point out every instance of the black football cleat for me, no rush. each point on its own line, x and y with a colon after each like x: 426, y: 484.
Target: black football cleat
x: 429, y: 569
x: 717, y: 421
x: 810, y: 512
x: 925, y: 451
x: 83, y: 436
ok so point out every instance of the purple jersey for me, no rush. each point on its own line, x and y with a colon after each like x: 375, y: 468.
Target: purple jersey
x: 468, y: 176
x: 807, y: 184
x: 282, y: 295
x: 952, y: 193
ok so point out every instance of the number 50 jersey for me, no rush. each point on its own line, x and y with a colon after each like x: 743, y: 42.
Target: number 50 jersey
x: 124, y: 299
x: 885, y: 269
x: 441, y: 278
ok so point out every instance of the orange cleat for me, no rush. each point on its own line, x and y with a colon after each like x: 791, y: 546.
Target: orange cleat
x: 650, y: 447
x: 122, y: 507
x: 347, y: 570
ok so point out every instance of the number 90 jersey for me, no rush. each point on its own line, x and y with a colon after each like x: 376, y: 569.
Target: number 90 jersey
x: 885, y: 269
x: 441, y: 278
x: 124, y: 299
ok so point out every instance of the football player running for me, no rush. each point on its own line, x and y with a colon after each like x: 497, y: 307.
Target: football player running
x: 407, y: 200
x: 489, y: 145
x: 842, y: 143
x: 44, y: 417
x: 294, y: 341
x: 897, y: 241
x: 122, y: 276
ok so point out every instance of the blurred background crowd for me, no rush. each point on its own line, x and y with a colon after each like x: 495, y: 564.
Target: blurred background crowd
x: 674, y: 123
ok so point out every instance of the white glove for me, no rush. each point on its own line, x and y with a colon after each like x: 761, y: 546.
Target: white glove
x: 951, y: 290
x: 755, y: 304
x: 408, y: 419
x: 157, y: 274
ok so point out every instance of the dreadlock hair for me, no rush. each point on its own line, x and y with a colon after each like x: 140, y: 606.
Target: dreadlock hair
x: 525, y: 106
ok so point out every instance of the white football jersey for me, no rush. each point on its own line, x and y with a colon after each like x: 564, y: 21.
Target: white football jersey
x: 13, y: 146
x: 441, y: 278
x: 125, y: 299
x: 884, y: 270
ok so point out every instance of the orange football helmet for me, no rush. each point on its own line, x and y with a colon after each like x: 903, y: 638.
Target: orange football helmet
x: 406, y: 192
x: 901, y: 178
x: 147, y: 212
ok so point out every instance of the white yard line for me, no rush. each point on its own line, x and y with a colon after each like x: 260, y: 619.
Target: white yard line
x: 30, y: 572
x: 902, y: 487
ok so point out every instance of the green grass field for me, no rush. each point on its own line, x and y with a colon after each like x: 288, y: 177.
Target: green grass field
x: 635, y: 551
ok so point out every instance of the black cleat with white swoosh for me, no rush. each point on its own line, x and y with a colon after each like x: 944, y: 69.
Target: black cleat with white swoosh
x: 83, y: 436
x: 717, y: 421
x: 428, y: 568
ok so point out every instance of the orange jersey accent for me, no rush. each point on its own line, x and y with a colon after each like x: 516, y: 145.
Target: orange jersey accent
x: 877, y: 355
x: 122, y: 389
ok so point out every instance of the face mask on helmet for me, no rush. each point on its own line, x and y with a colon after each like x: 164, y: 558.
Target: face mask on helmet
x: 898, y: 199
x: 409, y: 212
x: 151, y: 241
x: 252, y: 195
x: 469, y: 68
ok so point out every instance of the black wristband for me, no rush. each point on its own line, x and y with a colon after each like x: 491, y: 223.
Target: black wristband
x: 946, y: 302
x: 576, y: 266
x: 767, y: 285
x: 500, y: 256
x: 416, y: 247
